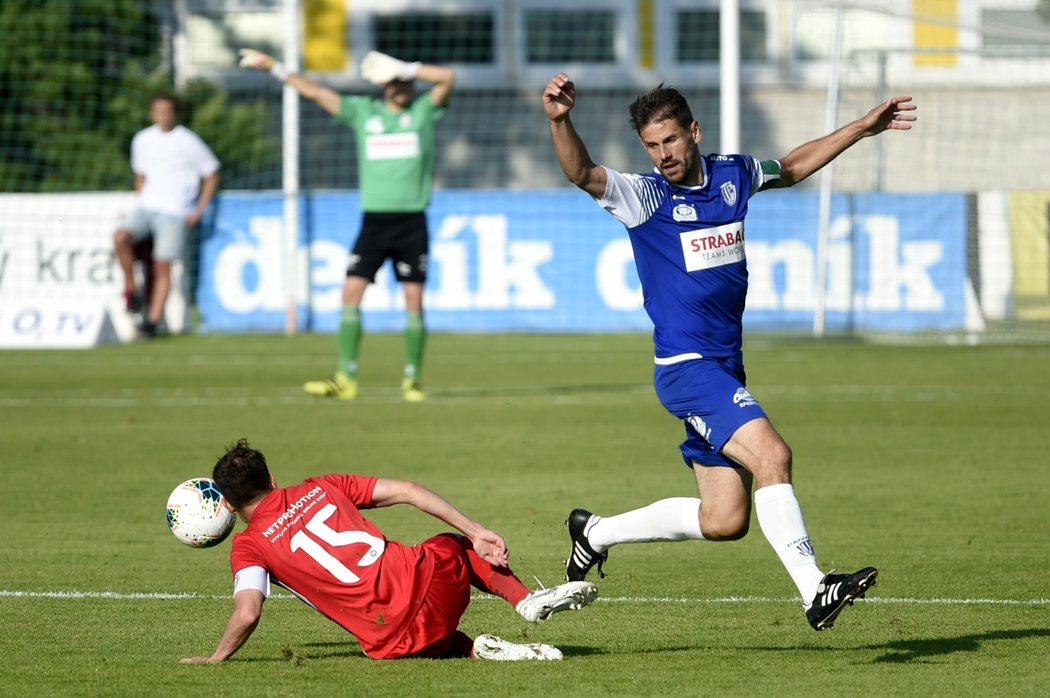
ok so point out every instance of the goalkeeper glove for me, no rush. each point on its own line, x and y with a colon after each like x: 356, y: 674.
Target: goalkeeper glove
x: 379, y: 68
x: 250, y: 58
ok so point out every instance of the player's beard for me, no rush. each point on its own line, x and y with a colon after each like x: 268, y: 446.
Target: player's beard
x: 673, y: 172
x: 686, y: 173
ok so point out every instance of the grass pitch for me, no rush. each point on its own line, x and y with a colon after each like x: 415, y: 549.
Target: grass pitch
x: 928, y: 462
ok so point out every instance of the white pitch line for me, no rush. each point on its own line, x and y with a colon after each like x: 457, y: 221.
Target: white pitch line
x: 382, y: 396
x: 222, y: 397
x: 11, y: 593
x: 683, y: 600
x: 874, y: 599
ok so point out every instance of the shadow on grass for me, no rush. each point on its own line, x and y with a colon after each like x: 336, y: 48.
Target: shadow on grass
x: 337, y: 650
x: 580, y: 650
x: 896, y: 652
x: 903, y: 651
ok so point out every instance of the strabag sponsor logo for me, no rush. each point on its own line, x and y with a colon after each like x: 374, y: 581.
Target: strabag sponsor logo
x: 713, y: 247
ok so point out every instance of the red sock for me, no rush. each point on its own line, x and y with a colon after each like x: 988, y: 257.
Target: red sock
x: 461, y: 646
x: 493, y: 580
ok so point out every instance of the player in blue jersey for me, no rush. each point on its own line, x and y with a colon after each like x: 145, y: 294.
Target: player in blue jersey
x: 686, y: 225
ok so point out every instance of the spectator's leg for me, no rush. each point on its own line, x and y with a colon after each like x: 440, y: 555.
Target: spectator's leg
x: 161, y: 287
x: 123, y: 246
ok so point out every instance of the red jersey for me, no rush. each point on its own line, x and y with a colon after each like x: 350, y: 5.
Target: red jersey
x: 312, y: 539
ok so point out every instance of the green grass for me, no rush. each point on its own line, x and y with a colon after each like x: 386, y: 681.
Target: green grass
x: 929, y: 462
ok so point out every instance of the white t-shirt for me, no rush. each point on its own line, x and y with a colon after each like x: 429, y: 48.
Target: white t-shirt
x: 172, y: 164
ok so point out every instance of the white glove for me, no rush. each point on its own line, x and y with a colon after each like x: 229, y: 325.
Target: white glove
x: 250, y: 58
x: 379, y: 68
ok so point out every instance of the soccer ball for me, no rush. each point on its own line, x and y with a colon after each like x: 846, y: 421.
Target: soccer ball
x: 197, y: 514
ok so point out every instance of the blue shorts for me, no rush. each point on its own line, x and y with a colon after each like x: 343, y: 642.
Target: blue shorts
x: 709, y: 396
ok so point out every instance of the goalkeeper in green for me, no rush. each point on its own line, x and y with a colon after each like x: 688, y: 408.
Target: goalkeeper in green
x: 395, y: 150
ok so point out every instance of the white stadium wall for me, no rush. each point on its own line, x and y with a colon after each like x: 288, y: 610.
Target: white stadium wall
x: 60, y: 285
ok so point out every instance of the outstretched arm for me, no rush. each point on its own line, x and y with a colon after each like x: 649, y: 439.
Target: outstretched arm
x: 247, y: 610
x: 327, y: 98
x: 559, y: 98
x: 487, y: 544
x: 810, y: 157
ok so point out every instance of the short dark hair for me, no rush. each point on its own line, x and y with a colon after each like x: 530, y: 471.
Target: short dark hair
x: 165, y: 97
x: 241, y: 474
x: 660, y: 104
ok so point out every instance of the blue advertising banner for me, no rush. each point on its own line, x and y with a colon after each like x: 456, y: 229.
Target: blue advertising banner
x: 503, y: 260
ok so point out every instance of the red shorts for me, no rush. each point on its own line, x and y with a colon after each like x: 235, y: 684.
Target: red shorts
x: 432, y: 633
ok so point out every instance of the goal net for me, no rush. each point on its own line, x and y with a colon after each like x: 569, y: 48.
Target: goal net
x: 939, y: 232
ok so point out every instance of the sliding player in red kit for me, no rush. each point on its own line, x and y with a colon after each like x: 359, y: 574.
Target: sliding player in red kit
x: 397, y: 600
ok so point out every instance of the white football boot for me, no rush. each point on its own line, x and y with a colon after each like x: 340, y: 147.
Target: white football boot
x: 543, y: 603
x: 499, y: 650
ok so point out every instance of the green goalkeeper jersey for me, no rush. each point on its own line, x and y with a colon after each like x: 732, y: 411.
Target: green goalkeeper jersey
x: 395, y: 152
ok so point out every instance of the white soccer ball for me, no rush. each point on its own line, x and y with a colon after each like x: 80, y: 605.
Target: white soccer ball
x: 197, y: 513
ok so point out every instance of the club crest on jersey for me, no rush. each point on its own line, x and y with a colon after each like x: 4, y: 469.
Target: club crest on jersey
x: 374, y: 124
x: 729, y: 193
x: 684, y: 212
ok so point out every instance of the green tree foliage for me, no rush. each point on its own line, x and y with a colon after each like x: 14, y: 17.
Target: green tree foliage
x: 75, y: 85
x: 236, y: 132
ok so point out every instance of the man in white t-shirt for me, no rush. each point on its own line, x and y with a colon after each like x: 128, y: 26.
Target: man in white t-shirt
x: 170, y: 161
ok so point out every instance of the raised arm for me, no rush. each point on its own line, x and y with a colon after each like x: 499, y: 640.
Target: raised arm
x: 443, y: 79
x: 559, y: 98
x: 810, y: 157
x: 325, y: 97
x: 379, y: 69
x: 489, y: 545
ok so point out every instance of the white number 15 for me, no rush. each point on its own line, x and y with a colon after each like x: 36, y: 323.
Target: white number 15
x: 318, y: 526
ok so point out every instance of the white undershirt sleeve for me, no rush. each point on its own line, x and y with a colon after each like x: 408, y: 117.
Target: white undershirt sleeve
x: 630, y: 198
x: 254, y: 577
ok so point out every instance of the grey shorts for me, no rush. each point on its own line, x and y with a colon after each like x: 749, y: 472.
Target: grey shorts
x: 169, y: 232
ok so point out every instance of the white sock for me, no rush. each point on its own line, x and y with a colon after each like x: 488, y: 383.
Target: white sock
x: 780, y: 517
x: 676, y: 518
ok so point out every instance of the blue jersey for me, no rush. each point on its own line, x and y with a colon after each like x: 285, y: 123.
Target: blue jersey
x: 689, y: 249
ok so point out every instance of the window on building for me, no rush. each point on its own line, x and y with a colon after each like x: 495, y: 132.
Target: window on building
x: 570, y: 36
x: 698, y: 36
x: 467, y: 38
x: 1001, y: 28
